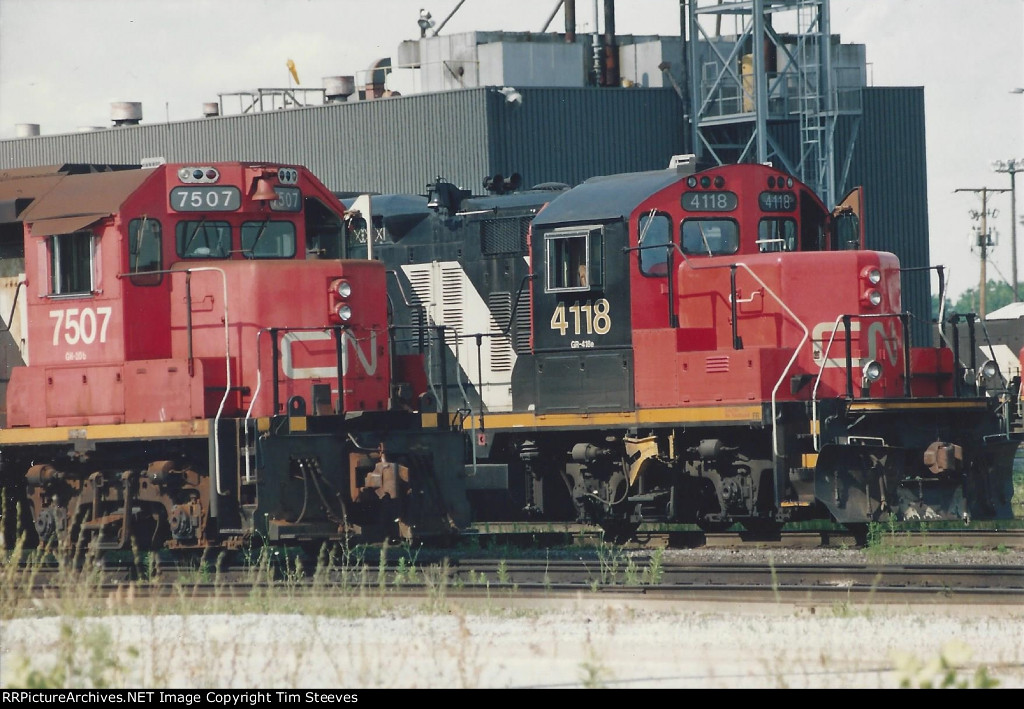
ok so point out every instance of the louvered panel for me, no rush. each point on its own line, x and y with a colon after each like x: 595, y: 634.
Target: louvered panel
x: 504, y: 236
x: 500, y: 305
x: 522, y: 332
x: 718, y: 364
x: 452, y: 298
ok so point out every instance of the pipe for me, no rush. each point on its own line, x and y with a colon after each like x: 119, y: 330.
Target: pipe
x: 570, y: 21
x: 554, y: 12
x: 450, y: 15
x: 611, y: 49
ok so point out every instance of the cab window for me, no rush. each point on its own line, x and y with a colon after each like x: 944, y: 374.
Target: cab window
x: 144, y: 252
x: 776, y: 234
x: 710, y: 237
x: 268, y: 239
x: 323, y: 231
x: 574, y: 259
x: 654, y: 237
x: 203, y: 239
x: 71, y: 263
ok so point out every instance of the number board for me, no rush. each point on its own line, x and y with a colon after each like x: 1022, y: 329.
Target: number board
x: 289, y: 199
x: 777, y: 201
x: 709, y: 201
x: 205, y: 199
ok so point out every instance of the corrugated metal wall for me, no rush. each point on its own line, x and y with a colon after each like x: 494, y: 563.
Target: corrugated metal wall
x: 568, y: 135
x: 400, y: 144
x: 889, y: 162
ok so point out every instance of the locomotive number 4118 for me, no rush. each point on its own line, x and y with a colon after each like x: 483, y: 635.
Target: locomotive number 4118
x: 588, y: 317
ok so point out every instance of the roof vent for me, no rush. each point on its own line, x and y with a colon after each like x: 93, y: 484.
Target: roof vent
x: 337, y: 89
x: 211, y: 110
x: 26, y: 130
x: 125, y: 113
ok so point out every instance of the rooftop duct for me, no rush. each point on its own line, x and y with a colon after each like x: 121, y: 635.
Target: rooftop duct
x: 125, y: 113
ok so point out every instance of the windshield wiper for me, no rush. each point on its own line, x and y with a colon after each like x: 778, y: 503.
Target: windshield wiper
x: 188, y: 244
x: 259, y: 235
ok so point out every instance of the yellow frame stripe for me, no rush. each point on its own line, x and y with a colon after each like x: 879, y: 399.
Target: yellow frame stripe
x: 917, y: 405
x: 106, y: 432
x: 704, y: 414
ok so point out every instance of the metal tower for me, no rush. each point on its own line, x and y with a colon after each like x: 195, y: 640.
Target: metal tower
x: 770, y: 84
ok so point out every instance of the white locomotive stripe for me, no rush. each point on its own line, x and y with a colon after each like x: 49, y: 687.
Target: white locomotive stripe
x: 450, y: 298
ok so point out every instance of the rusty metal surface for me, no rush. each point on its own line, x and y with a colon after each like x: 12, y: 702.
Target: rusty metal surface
x: 75, y: 195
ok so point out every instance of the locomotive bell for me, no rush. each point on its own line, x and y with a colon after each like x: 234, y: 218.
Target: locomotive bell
x: 264, y: 190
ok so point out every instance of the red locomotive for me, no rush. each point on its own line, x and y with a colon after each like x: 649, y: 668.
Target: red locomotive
x: 709, y: 348
x: 205, y: 366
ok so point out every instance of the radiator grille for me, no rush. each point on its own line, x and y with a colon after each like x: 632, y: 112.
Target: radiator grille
x: 504, y: 236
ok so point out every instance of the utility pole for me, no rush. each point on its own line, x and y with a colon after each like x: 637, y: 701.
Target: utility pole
x: 1012, y: 166
x: 983, y: 240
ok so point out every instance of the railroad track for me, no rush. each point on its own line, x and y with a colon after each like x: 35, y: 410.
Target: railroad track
x: 643, y: 576
x: 658, y: 537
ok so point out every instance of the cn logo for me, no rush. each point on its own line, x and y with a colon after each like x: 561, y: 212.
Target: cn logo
x: 367, y: 360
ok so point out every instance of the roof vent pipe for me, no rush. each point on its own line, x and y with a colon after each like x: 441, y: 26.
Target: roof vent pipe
x: 337, y: 89
x: 26, y: 130
x: 611, y: 49
x: 125, y: 113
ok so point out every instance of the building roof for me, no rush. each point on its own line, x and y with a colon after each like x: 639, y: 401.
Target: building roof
x: 1013, y: 311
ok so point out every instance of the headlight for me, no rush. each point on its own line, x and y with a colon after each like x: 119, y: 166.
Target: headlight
x: 873, y: 276
x: 342, y: 287
x: 872, y: 298
x: 343, y: 312
x: 872, y: 371
x: 989, y: 370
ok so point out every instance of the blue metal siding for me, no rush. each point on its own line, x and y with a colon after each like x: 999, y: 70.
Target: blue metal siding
x: 571, y: 134
x: 889, y: 162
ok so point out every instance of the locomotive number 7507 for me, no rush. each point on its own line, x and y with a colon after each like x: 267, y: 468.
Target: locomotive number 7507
x: 588, y: 317
x: 80, y: 325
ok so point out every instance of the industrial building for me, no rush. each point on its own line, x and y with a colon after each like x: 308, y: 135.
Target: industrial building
x: 563, y: 107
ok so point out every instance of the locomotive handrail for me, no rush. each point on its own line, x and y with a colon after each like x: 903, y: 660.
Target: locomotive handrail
x: 782, y: 304
x: 272, y: 331
x: 227, y: 353
x: 14, y: 305
x: 846, y: 320
x: 227, y: 349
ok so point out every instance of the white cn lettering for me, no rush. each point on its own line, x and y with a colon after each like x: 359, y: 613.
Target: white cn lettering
x: 367, y: 361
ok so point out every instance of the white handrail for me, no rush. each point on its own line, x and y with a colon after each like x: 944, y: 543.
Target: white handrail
x: 227, y: 375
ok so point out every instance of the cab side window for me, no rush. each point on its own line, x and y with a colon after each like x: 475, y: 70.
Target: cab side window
x: 323, y: 231
x: 654, y: 237
x: 574, y: 259
x: 71, y: 263
x: 145, y: 253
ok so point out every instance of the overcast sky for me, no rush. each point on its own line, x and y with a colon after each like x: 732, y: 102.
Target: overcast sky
x: 63, y: 62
